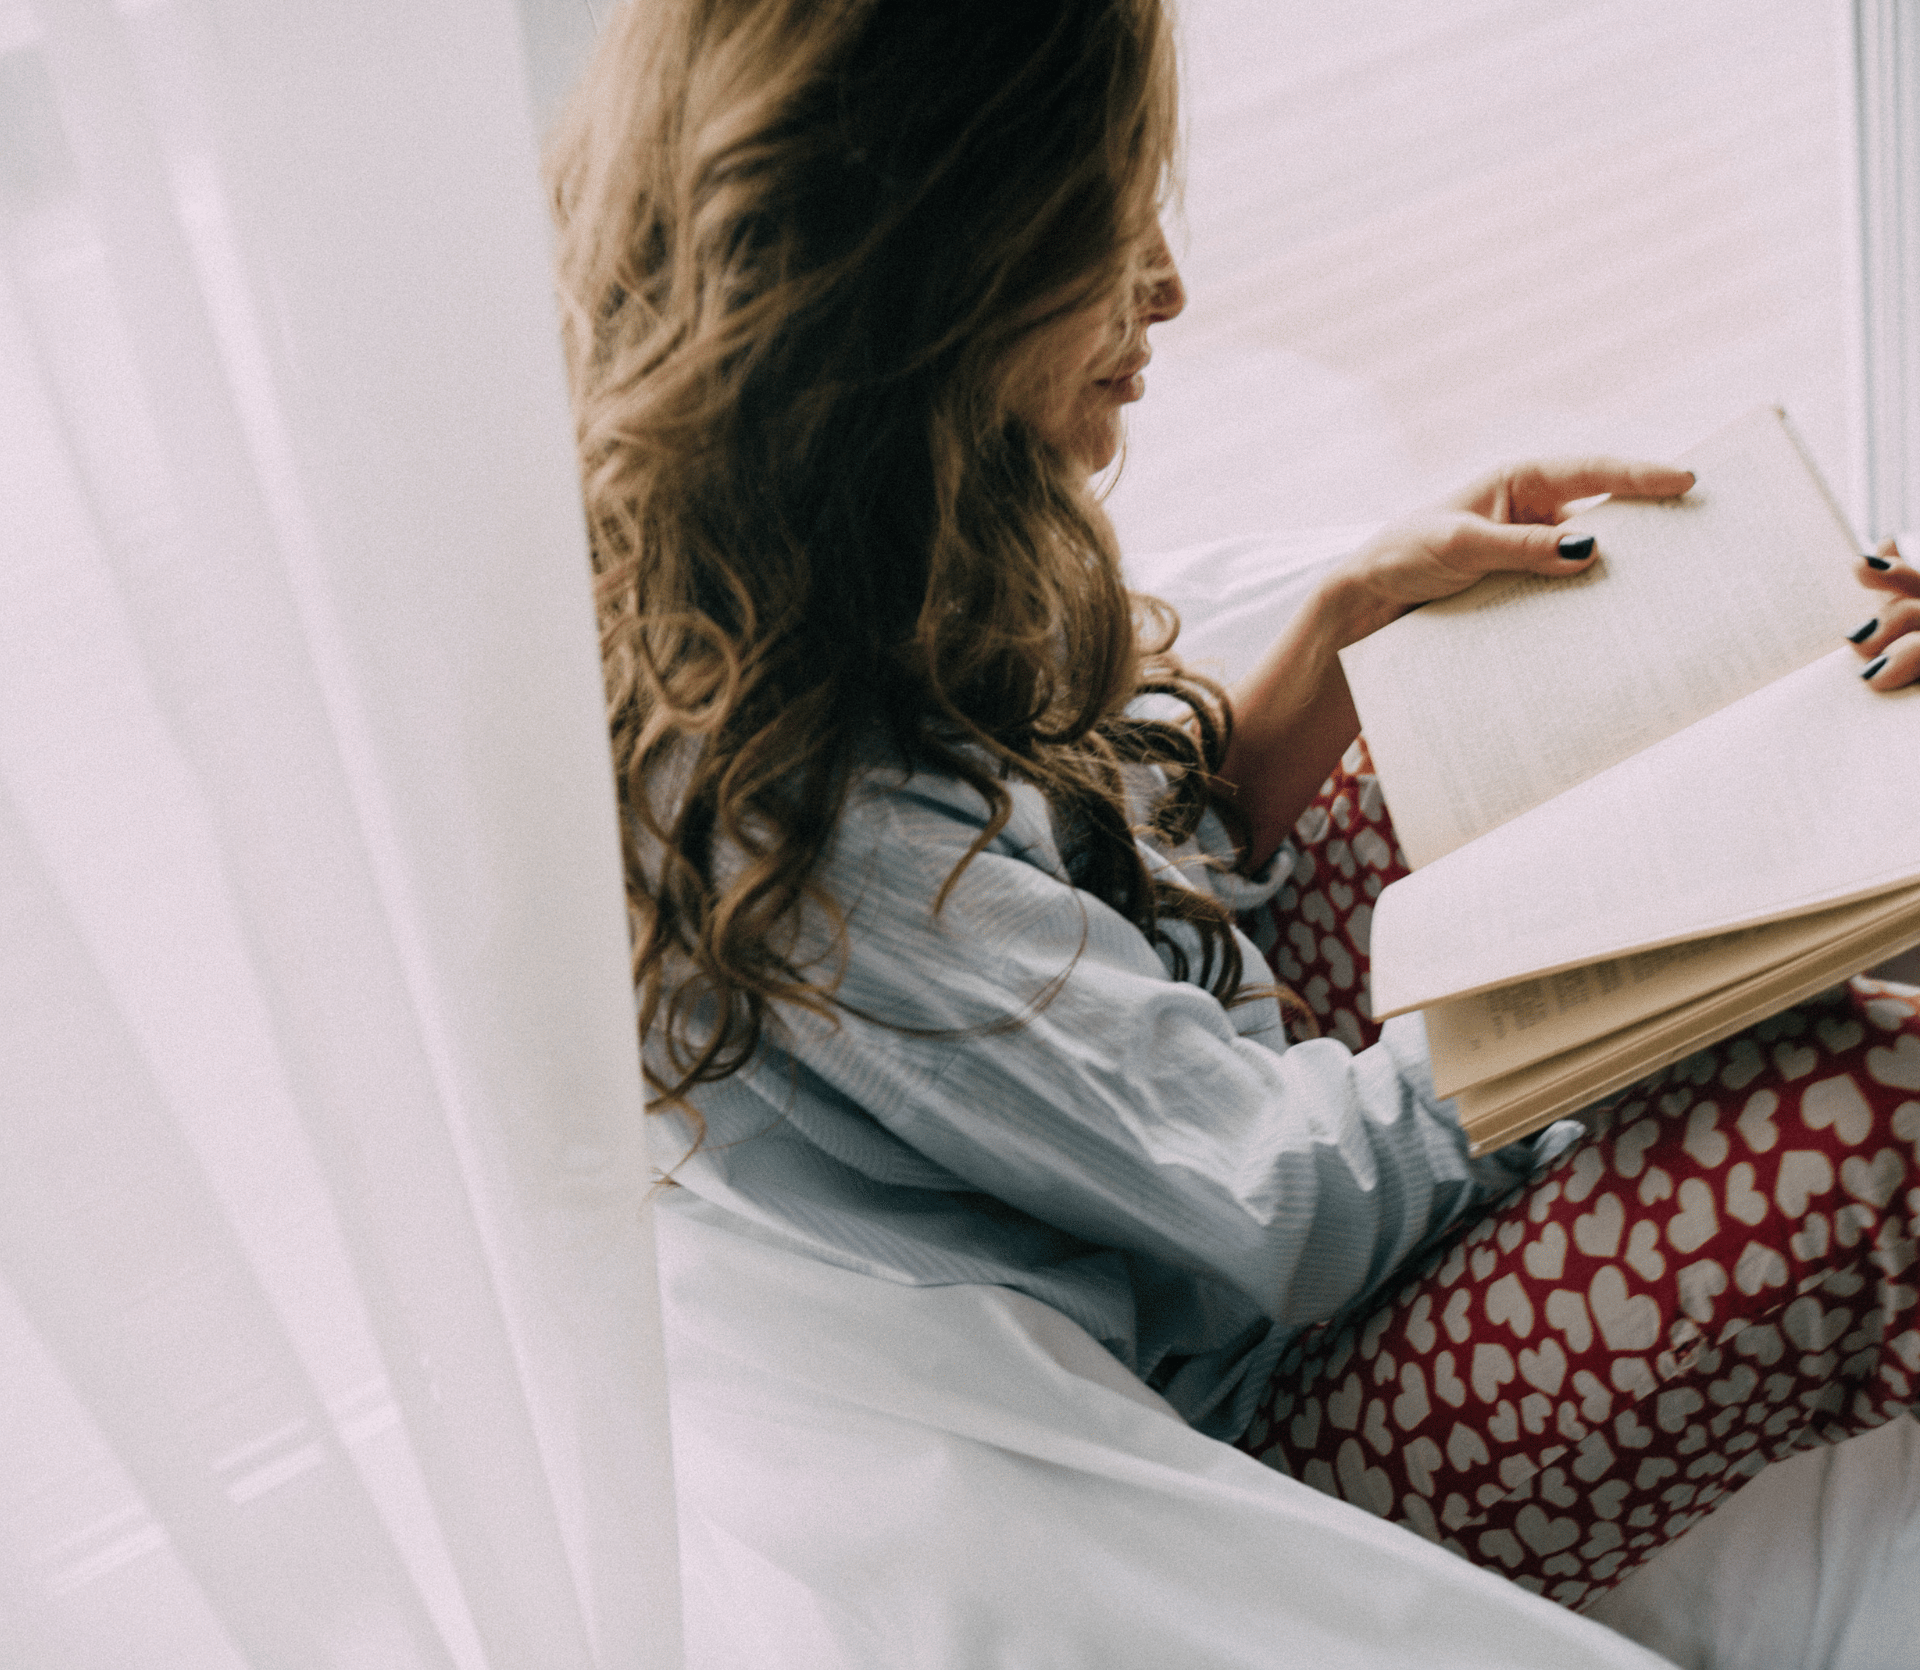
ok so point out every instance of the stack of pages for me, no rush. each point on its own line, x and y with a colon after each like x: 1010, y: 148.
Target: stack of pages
x: 1647, y: 805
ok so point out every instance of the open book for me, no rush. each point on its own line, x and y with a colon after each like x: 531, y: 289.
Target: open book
x: 1647, y: 805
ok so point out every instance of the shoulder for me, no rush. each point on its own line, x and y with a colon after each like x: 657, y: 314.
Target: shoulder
x: 919, y: 818
x: 924, y: 903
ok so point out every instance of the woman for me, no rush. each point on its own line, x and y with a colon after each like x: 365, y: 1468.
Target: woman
x: 933, y: 849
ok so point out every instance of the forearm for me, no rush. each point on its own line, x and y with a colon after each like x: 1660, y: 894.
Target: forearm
x: 1294, y: 716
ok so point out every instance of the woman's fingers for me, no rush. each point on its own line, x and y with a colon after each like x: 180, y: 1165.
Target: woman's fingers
x: 1895, y: 667
x: 1476, y: 546
x: 1540, y: 492
x: 1886, y: 570
x: 1890, y: 644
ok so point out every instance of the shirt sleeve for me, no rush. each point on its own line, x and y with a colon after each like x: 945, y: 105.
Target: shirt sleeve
x: 1028, y: 1040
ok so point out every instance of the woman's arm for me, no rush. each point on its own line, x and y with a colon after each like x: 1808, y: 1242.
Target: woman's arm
x: 1294, y: 717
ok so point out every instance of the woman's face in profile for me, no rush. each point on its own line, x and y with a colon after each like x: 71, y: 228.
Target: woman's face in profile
x: 1089, y: 365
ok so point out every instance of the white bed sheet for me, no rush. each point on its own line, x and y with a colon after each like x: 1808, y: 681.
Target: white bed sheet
x: 957, y: 1478
x: 881, y: 1477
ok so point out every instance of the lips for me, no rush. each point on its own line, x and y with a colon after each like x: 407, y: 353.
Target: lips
x: 1128, y: 385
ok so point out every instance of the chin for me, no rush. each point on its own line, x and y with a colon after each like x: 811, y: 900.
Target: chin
x: 1099, y: 449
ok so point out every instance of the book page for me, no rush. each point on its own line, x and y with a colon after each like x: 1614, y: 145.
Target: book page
x: 1800, y: 796
x: 1506, y: 1108
x: 1483, y: 705
x: 1475, y: 1039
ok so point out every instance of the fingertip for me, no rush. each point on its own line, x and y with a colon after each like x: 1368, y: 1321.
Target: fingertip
x: 1896, y: 667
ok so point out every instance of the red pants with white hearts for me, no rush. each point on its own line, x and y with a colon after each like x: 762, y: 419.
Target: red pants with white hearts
x: 1723, y: 1273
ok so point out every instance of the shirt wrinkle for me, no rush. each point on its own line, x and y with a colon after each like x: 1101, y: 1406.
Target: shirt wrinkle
x: 1170, y: 1174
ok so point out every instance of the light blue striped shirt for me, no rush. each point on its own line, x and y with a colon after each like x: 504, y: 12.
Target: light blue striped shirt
x: 1167, y: 1172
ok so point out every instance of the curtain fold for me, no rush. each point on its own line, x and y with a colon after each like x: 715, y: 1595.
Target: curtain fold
x: 328, y: 1285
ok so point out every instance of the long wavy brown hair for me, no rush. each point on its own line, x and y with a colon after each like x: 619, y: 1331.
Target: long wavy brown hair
x: 802, y: 245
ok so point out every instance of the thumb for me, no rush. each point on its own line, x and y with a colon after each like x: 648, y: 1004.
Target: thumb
x: 1543, y: 548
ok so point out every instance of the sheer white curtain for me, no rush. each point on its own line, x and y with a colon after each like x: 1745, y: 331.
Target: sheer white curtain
x: 328, y: 1333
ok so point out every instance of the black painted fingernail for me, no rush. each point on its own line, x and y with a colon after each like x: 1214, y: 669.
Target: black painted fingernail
x: 1865, y: 632
x: 1577, y: 547
x: 1880, y: 563
x: 1873, y: 666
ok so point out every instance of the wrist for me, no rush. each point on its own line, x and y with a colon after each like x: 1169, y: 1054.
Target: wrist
x: 1351, y: 607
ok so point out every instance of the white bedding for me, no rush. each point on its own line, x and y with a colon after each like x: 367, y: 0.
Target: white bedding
x: 957, y: 1478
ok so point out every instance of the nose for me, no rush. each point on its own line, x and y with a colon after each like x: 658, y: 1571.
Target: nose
x: 1165, y: 296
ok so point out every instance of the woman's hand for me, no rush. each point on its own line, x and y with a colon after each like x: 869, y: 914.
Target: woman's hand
x: 1890, y: 642
x: 1294, y: 717
x: 1507, y: 521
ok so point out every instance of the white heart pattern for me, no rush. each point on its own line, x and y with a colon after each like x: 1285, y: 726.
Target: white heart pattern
x: 1507, y: 1302
x: 1542, y: 1199
x: 1466, y: 1448
x: 1492, y: 1369
x: 1597, y: 1233
x: 1898, y: 1066
x: 1596, y: 1402
x: 1375, y: 1431
x: 1696, y: 1221
x: 1757, y: 1267
x: 1587, y: 1170
x: 1906, y: 1122
x: 1809, y: 1242
x: 1628, y: 1322
x: 1744, y: 1064
x: 1706, y: 1144
x: 1755, y: 1124
x: 1840, y: 1036
x: 1546, y: 1367
x: 1874, y: 1183
x: 1503, y: 1425
x: 1711, y: 1378
x: 1656, y: 1185
x: 1737, y: 1387
x: 1700, y: 1283
x: 1610, y: 1497
x: 1421, y: 1459
x: 1343, y: 1406
x: 1744, y: 1201
x: 1630, y: 1147
x: 1793, y: 1062
x: 1411, y: 1406
x: 1851, y: 1222
x: 1554, y: 1487
x: 1420, y: 1333
x: 1803, y: 1173
x: 1811, y: 1328
x: 1567, y: 1311
x: 1838, y: 1102
x: 1630, y: 1433
x: 1363, y: 1486
x: 1544, y: 1535
x: 1305, y: 1429
x: 1643, y: 1252
x: 1547, y: 1257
